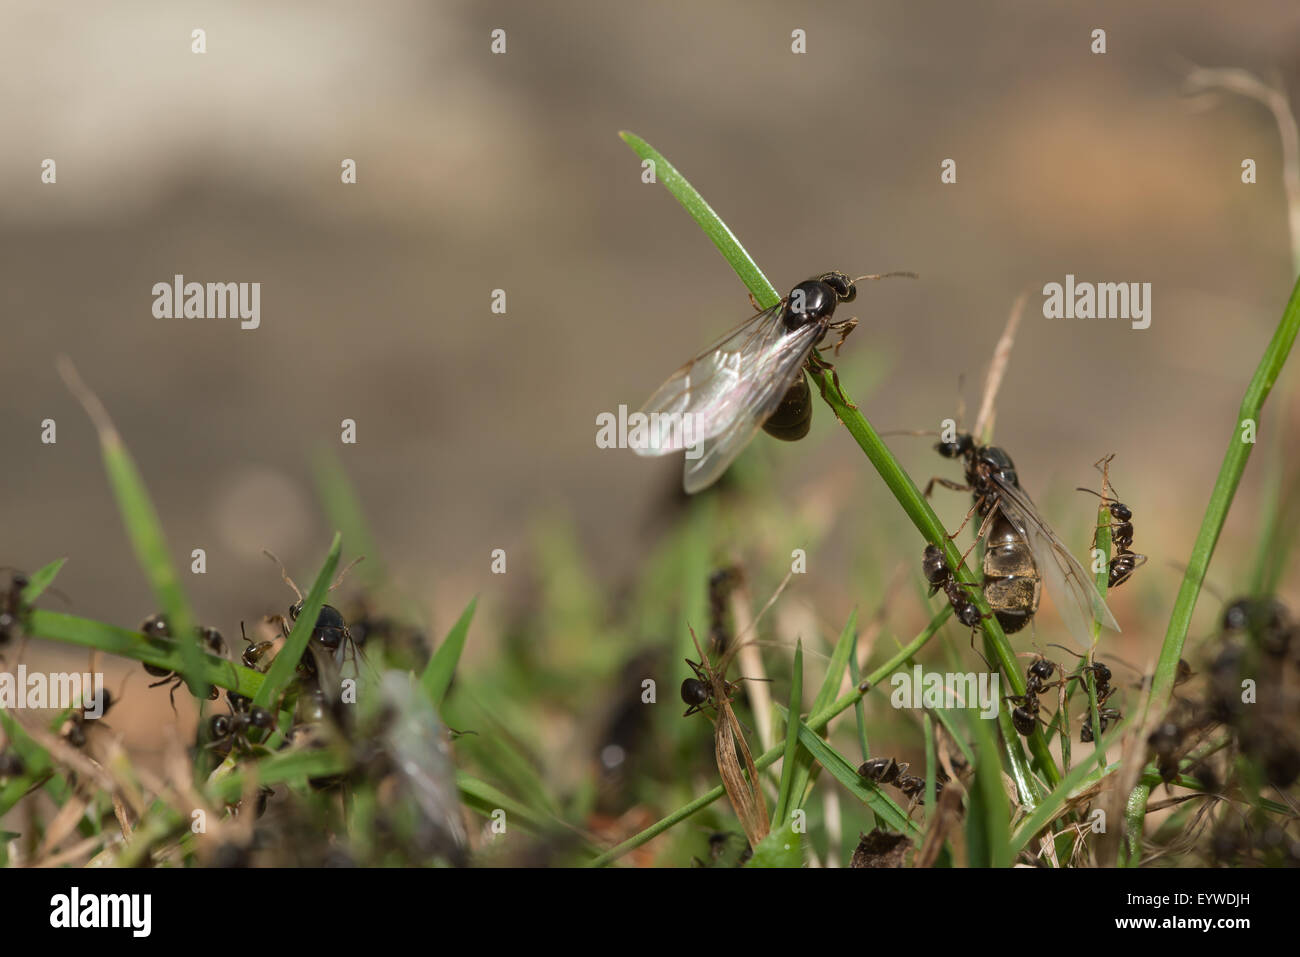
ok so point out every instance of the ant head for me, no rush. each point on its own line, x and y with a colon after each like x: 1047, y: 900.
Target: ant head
x: 961, y: 446
x: 845, y: 290
x: 934, y: 565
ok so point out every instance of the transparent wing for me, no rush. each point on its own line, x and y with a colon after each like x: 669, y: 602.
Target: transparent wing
x: 417, y: 743
x: 764, y: 381
x: 1071, y: 587
x: 711, y: 390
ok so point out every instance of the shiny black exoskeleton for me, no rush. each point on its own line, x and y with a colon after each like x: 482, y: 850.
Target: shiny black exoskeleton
x: 1012, y: 583
x: 813, y: 301
x: 1024, y: 716
x: 891, y: 771
x: 1039, y: 673
x: 695, y: 693
x: 935, y: 568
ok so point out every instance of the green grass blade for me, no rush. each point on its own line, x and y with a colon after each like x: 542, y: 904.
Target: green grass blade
x: 41, y: 580
x: 988, y: 833
x: 866, y: 791
x: 438, y: 674
x: 1225, y: 488
x: 282, y: 667
x: 1216, y: 513
x: 709, y: 221
x: 143, y: 528
x: 343, y: 510
x: 131, y: 644
x: 792, y: 722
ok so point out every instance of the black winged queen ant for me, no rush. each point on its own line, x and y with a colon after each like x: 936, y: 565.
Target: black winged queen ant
x: 750, y: 379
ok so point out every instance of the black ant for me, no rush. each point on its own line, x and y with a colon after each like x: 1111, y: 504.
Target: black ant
x: 331, y: 629
x: 697, y: 692
x: 1125, y: 561
x: 1101, y: 676
x: 1039, y: 673
x: 254, y: 658
x: 11, y: 607
x: 74, y: 732
x: 1024, y: 716
x: 156, y: 626
x: 890, y: 771
x: 934, y: 565
x: 233, y: 728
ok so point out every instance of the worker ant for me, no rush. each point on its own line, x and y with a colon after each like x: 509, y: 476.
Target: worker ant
x: 233, y: 728
x: 157, y: 627
x: 1125, y: 561
x: 891, y: 771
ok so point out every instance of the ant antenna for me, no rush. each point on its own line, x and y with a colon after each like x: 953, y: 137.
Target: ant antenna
x: 888, y: 275
x: 350, y: 565
x: 285, y: 574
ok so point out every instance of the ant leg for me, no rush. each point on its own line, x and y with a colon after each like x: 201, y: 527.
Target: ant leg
x: 843, y: 329
x: 946, y: 483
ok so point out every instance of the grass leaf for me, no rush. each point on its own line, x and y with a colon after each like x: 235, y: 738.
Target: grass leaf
x: 442, y: 666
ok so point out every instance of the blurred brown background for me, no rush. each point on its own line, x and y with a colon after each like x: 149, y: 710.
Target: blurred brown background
x: 479, y: 172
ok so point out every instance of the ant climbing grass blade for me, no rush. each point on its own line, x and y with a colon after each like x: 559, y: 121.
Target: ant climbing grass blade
x: 282, y: 667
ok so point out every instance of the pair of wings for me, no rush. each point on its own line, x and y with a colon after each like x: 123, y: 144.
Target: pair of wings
x: 714, y: 404
x: 1073, y: 590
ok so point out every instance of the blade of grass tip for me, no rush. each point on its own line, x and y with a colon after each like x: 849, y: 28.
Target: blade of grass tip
x: 41, y: 580
x: 1216, y: 512
x: 709, y: 221
x: 143, y: 528
x: 791, y: 739
x: 442, y: 666
x: 343, y: 510
x: 284, y: 663
x: 815, y: 722
x: 840, y: 654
